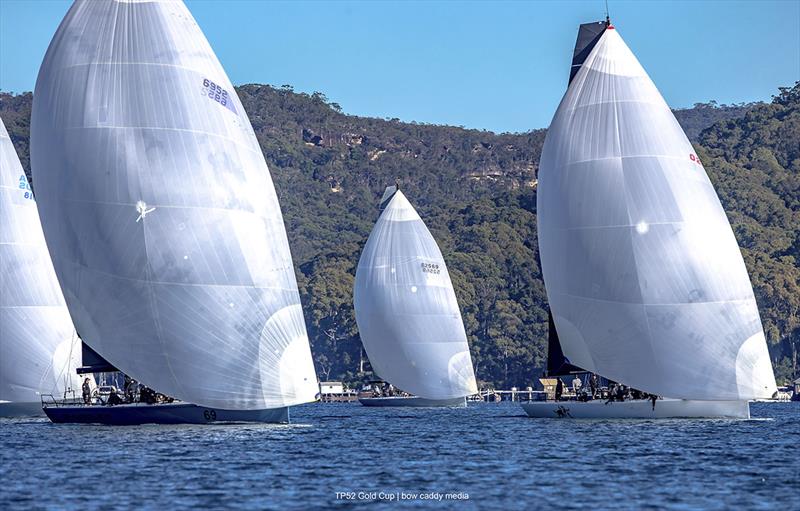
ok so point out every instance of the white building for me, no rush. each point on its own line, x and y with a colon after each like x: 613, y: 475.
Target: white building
x: 331, y: 387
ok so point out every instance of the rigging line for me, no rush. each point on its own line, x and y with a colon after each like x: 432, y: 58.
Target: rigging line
x: 62, y: 371
x: 67, y: 377
x: 69, y: 364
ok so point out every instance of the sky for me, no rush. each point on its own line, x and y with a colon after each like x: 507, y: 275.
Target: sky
x: 501, y: 66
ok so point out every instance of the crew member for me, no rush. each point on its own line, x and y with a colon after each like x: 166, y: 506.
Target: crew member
x: 576, y: 384
x: 559, y: 389
x: 130, y: 389
x: 611, y: 392
x: 114, y: 399
x: 87, y: 391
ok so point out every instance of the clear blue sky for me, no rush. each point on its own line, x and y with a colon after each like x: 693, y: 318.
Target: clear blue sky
x: 500, y: 66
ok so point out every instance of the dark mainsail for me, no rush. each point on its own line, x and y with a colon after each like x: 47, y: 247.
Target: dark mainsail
x: 588, y: 35
x: 93, y: 362
x: 557, y: 363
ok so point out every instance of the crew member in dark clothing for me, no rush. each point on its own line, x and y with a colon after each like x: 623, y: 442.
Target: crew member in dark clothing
x: 653, y: 399
x: 87, y: 391
x: 593, y: 385
x: 147, y: 395
x: 114, y: 399
x: 130, y: 389
x: 611, y: 392
x: 559, y: 389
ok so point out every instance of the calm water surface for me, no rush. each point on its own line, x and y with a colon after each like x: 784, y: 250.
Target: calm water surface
x: 490, y: 455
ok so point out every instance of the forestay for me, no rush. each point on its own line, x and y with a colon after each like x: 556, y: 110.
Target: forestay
x: 642, y: 270
x: 406, y: 308
x: 37, y: 351
x: 160, y: 212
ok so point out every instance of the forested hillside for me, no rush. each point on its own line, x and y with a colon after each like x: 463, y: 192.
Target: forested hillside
x: 702, y: 115
x: 754, y: 162
x: 476, y: 190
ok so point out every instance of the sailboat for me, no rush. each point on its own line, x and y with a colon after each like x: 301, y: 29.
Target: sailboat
x: 37, y: 342
x: 407, y: 313
x: 163, y: 222
x: 644, y: 277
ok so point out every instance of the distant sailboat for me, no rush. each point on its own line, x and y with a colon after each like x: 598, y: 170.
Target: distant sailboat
x: 407, y: 313
x: 38, y: 346
x: 162, y: 219
x: 643, y: 273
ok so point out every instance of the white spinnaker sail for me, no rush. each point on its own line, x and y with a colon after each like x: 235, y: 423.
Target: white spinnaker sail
x: 642, y: 270
x: 38, y: 349
x: 406, y: 309
x: 160, y: 212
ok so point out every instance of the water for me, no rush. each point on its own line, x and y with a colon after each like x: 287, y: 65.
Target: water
x: 489, y: 455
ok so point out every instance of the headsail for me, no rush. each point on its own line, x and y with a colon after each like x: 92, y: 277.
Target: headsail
x: 37, y: 343
x: 642, y: 270
x: 160, y: 212
x: 406, y: 308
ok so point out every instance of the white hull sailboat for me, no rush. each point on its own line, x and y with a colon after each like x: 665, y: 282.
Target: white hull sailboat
x: 37, y: 341
x: 637, y: 409
x: 162, y: 220
x: 412, y: 401
x: 11, y: 409
x: 407, y: 313
x: 644, y: 277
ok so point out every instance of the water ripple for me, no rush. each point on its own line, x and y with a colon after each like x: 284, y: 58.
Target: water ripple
x: 492, y: 452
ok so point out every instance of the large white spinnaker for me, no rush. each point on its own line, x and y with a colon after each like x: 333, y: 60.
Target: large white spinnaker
x: 38, y: 348
x: 406, y: 308
x: 160, y: 212
x: 643, y: 274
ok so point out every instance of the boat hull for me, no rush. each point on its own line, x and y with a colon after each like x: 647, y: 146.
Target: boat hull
x: 638, y: 409
x: 168, y: 413
x: 12, y: 409
x: 413, y: 401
